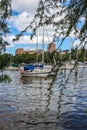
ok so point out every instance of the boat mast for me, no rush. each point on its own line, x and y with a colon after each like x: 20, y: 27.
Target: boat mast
x: 37, y: 50
x: 43, y: 47
x: 36, y: 46
x: 85, y: 51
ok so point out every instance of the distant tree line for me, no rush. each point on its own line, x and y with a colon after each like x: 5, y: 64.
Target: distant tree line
x: 8, y: 59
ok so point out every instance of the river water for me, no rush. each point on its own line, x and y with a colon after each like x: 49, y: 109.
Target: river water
x: 44, y: 104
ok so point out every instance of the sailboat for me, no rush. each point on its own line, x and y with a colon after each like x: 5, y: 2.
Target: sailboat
x: 38, y: 70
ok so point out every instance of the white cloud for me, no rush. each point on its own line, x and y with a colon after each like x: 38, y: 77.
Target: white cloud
x: 25, y: 5
x: 27, y: 9
x: 26, y: 40
x: 21, y: 21
x: 9, y: 40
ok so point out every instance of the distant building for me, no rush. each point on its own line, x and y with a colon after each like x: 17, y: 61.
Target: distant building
x: 64, y: 52
x: 19, y: 51
x: 51, y: 47
x: 22, y: 51
x: 30, y: 52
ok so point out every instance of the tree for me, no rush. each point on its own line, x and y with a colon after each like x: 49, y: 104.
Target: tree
x: 72, y: 13
x: 4, y: 60
x: 5, y: 12
x: 65, y: 16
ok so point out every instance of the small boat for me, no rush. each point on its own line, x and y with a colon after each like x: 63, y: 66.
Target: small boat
x: 36, y: 71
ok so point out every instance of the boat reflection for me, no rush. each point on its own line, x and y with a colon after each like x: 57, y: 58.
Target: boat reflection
x: 49, y: 95
x: 30, y: 80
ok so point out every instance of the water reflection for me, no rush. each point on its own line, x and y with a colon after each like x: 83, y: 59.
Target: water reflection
x: 36, y: 103
x: 40, y: 90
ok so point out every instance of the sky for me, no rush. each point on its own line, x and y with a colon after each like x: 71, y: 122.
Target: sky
x: 22, y: 14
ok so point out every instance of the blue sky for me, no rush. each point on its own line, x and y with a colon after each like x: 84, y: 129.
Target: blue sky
x: 22, y: 15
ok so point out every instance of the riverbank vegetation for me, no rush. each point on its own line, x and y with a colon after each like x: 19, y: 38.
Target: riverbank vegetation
x: 63, y: 56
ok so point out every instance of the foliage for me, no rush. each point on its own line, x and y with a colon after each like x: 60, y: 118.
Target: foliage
x: 82, y: 54
x: 72, y: 13
x: 24, y: 58
x: 49, y: 57
x: 4, y: 61
x: 65, y: 16
x: 5, y: 12
x: 5, y: 78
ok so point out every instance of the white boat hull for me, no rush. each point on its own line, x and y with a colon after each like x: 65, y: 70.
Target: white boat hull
x: 44, y: 72
x: 31, y: 74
